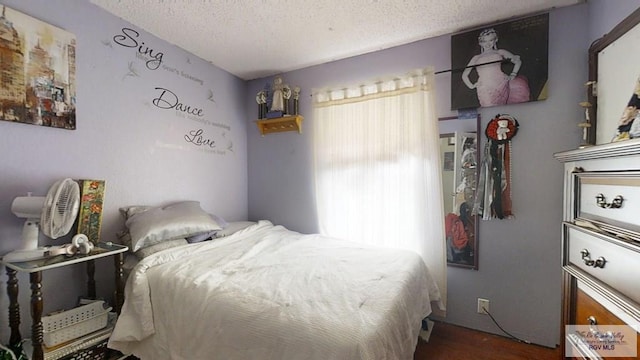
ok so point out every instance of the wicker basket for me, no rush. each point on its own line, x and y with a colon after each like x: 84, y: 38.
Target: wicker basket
x: 74, y: 323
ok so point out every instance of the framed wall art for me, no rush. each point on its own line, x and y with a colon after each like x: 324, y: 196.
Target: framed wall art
x: 38, y: 71
x: 500, y: 64
x: 90, y: 212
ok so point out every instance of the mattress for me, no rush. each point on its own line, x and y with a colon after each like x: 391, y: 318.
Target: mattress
x: 266, y: 292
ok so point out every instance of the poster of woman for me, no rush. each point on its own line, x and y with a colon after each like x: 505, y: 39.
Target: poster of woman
x: 501, y: 64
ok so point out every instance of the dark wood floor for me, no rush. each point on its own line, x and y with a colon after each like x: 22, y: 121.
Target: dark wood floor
x: 453, y: 342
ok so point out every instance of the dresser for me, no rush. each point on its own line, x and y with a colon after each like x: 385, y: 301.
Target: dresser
x: 601, y: 250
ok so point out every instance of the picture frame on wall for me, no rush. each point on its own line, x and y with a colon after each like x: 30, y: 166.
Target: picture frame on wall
x: 447, y: 164
x: 39, y: 72
x: 500, y: 64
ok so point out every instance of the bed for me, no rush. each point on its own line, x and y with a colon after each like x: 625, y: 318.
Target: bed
x: 265, y: 292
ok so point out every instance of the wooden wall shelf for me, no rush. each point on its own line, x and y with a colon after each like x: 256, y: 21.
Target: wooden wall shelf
x: 281, y: 124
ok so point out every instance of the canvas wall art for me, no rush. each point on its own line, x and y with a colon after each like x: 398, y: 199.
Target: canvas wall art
x: 38, y: 72
x: 90, y: 212
x: 501, y: 64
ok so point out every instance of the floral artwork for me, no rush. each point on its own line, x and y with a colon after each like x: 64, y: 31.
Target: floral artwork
x: 38, y: 67
x: 90, y: 214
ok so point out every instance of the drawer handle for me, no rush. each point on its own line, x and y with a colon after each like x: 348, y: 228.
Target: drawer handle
x: 593, y: 329
x: 615, y: 204
x: 597, y: 263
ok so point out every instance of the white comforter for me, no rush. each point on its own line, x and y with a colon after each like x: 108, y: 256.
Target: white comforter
x: 269, y: 293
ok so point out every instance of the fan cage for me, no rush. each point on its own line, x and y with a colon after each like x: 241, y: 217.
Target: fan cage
x: 60, y: 208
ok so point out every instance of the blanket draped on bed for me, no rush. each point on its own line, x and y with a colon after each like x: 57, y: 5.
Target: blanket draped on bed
x: 266, y: 292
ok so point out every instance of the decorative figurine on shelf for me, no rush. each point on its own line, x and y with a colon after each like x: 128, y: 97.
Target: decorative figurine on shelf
x: 277, y: 99
x: 296, y: 99
x: 286, y: 94
x: 261, y: 99
x: 586, y: 124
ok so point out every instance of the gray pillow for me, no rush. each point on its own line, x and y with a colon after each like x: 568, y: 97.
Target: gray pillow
x: 175, y: 221
x: 144, y: 252
x: 129, y: 211
x: 232, y: 227
x: 125, y: 238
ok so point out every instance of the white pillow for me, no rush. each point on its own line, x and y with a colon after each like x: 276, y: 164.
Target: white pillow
x: 176, y: 221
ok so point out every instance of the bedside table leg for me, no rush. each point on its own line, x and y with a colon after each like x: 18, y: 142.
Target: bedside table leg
x: 118, y: 260
x: 14, y: 308
x: 91, y: 282
x: 36, y: 315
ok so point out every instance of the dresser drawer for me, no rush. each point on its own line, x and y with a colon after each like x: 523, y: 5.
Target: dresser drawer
x: 611, y: 199
x: 588, y: 311
x: 587, y: 307
x: 613, y: 262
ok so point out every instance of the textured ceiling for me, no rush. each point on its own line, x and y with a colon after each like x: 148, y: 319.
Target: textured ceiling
x: 258, y: 38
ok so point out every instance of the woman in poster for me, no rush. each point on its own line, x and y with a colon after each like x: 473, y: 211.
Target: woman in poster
x: 493, y: 86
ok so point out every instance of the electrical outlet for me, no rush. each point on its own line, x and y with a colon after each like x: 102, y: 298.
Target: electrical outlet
x: 483, y: 306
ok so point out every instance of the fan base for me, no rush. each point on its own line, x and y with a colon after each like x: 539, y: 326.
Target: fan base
x: 25, y: 255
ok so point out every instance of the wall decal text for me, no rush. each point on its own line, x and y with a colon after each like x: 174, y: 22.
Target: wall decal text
x: 183, y: 74
x: 169, y: 100
x: 196, y: 137
x: 128, y: 39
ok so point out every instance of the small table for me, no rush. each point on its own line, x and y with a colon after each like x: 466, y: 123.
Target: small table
x: 35, y: 269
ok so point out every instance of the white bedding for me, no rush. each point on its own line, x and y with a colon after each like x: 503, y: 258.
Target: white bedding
x: 269, y: 293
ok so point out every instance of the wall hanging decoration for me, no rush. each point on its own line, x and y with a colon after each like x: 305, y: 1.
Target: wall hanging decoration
x: 502, y: 64
x: 38, y: 72
x: 493, y: 198
x: 585, y: 125
x: 275, y: 112
x: 274, y: 100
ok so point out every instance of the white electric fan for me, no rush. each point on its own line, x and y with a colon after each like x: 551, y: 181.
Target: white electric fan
x: 53, y: 214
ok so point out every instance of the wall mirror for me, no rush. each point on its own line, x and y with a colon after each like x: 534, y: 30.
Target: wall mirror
x: 615, y: 71
x: 459, y: 152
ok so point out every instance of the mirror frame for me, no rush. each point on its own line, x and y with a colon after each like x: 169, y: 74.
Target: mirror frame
x: 596, y: 47
x: 476, y: 225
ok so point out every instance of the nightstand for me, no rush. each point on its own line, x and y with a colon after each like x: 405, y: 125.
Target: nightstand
x: 35, y: 269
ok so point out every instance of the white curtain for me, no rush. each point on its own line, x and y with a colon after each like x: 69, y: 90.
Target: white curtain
x: 377, y: 166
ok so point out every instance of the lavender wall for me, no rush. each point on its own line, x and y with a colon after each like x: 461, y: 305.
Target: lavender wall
x: 520, y: 258
x: 139, y: 150
x: 123, y: 138
x: 604, y: 15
